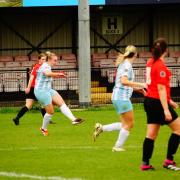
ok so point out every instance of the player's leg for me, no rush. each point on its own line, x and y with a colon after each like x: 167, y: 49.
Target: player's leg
x: 45, y: 99
x: 47, y: 118
x: 112, y: 127
x: 148, y: 145
x: 173, y: 145
x: 127, y: 120
x: 43, y: 112
x: 23, y: 110
x: 155, y: 118
x: 125, y: 111
x: 99, y: 128
x: 58, y: 100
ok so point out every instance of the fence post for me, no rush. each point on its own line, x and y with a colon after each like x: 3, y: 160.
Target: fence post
x: 27, y: 75
x: 84, y: 54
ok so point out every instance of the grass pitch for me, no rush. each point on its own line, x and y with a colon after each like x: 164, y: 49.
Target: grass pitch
x: 70, y: 153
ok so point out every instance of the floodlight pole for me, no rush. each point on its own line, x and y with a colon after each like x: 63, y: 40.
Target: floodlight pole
x: 84, y: 54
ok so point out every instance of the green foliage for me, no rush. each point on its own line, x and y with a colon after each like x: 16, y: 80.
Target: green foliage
x: 8, y: 109
x: 70, y: 152
x: 11, y: 3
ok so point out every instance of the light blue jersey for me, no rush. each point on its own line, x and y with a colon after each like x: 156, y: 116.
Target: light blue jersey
x: 43, y: 90
x: 43, y: 82
x: 121, y: 92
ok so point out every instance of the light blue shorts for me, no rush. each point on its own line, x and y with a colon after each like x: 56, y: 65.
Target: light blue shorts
x: 44, y: 97
x: 122, y: 106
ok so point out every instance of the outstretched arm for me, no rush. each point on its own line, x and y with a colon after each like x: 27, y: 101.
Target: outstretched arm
x: 140, y: 90
x: 54, y: 74
x: 124, y: 80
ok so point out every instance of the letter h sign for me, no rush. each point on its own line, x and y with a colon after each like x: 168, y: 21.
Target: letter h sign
x: 112, y: 25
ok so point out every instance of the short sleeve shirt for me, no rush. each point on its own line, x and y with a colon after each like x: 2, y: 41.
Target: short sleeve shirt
x: 43, y: 82
x: 157, y: 73
x: 121, y: 92
x: 34, y: 73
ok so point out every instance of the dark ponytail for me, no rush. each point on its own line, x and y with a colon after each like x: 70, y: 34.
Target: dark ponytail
x: 159, y: 47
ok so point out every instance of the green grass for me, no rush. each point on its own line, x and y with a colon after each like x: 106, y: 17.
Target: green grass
x: 69, y: 151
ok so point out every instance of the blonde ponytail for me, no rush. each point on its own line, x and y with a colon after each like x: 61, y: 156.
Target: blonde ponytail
x: 130, y: 51
x: 119, y: 59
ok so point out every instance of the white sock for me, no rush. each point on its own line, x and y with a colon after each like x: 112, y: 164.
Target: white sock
x: 112, y: 127
x: 46, y: 119
x: 123, y: 135
x: 67, y: 112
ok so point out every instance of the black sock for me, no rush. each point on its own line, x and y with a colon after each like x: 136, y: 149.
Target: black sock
x: 43, y: 111
x: 22, y: 112
x: 172, y: 146
x: 148, y: 147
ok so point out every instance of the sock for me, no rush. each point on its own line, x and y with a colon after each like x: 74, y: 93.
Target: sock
x: 43, y: 111
x: 46, y: 119
x: 67, y: 112
x: 173, y: 145
x: 22, y: 112
x: 123, y: 135
x: 112, y: 127
x: 148, y: 147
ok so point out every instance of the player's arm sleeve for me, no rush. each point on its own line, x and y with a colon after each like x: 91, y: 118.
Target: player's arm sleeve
x: 47, y: 70
x: 126, y: 70
x: 161, y: 75
x: 33, y: 72
x: 30, y: 81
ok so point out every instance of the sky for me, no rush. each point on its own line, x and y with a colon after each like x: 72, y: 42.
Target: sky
x: 58, y: 2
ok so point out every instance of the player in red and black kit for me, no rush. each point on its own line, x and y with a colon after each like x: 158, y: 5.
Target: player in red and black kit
x: 29, y: 91
x: 159, y: 107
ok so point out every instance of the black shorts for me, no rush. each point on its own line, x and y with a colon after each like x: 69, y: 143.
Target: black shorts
x: 155, y: 112
x: 31, y: 95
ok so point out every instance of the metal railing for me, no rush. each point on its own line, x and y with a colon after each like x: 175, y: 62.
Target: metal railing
x: 13, y: 83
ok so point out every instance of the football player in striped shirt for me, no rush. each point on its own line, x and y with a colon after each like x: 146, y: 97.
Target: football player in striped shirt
x: 122, y: 92
x: 48, y: 96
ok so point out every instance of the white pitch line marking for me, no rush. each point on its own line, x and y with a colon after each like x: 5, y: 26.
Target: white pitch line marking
x: 30, y: 176
x: 49, y: 148
x: 34, y: 148
x: 64, y: 148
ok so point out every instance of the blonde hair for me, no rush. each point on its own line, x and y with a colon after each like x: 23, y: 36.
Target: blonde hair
x: 119, y: 59
x: 49, y: 55
x: 41, y: 55
x: 130, y: 51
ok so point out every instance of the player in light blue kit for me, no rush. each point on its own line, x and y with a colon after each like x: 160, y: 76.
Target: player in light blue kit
x: 49, y: 97
x: 122, y: 92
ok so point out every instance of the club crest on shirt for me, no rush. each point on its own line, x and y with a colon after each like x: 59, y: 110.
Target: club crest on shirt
x: 162, y: 74
x: 126, y: 70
